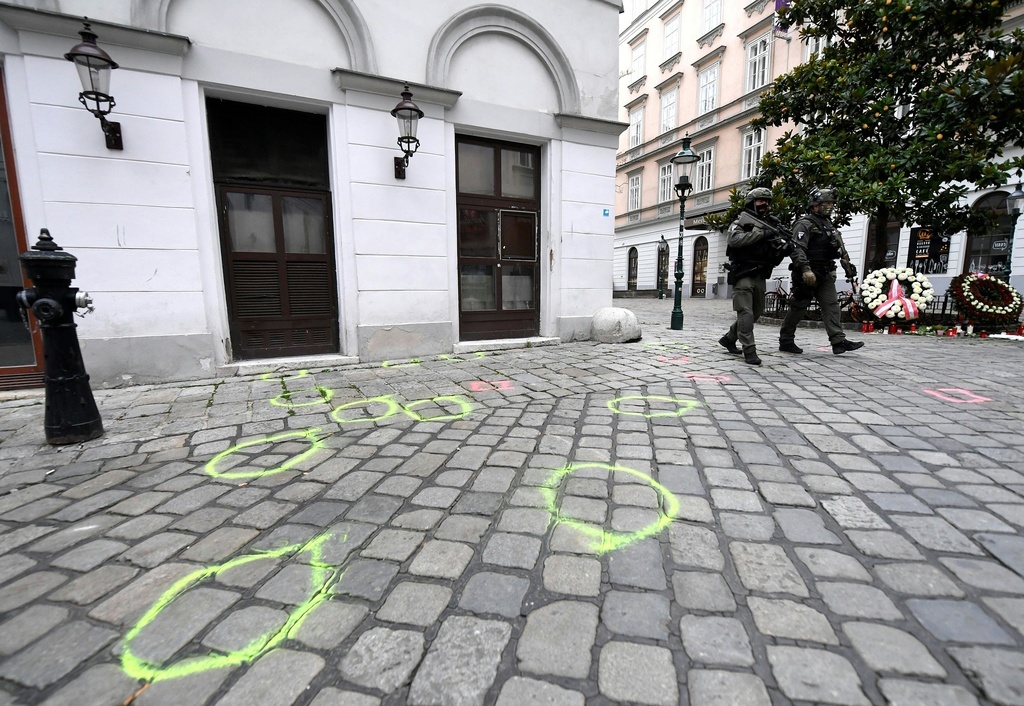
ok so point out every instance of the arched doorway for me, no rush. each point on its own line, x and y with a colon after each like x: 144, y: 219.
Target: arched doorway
x: 699, y: 287
x: 634, y: 259
x: 662, y: 268
x: 989, y: 252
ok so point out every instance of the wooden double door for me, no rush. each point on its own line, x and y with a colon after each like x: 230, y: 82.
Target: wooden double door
x: 270, y: 168
x: 498, y: 239
x: 279, y: 271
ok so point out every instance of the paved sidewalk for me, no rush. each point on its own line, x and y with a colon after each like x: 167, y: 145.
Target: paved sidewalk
x: 649, y: 523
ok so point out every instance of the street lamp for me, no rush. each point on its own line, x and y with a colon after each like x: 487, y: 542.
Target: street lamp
x: 685, y: 160
x: 408, y: 115
x: 94, y: 66
x: 1014, y: 205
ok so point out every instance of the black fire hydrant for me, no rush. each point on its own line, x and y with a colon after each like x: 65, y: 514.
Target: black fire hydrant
x: 71, y: 414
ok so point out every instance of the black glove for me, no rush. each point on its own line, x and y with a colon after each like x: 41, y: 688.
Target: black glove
x: 849, y: 268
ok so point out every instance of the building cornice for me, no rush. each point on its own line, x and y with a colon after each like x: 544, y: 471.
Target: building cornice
x: 709, y: 57
x: 756, y: 7
x: 707, y: 39
x: 348, y: 80
x: 758, y: 27
x: 670, y: 62
x: 638, y: 101
x: 581, y: 122
x: 638, y: 84
x: 642, y: 35
x: 24, y: 19
x: 673, y: 79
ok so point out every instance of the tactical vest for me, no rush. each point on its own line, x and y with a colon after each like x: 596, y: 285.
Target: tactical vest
x: 762, y: 252
x: 820, y: 246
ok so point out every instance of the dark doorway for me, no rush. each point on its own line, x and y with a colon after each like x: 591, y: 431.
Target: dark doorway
x: 888, y: 258
x: 498, y: 239
x: 634, y: 265
x: 990, y: 252
x: 21, y: 359
x: 662, y: 266
x: 699, y: 286
x: 274, y: 206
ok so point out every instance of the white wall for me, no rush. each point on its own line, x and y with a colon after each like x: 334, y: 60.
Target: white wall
x: 143, y: 223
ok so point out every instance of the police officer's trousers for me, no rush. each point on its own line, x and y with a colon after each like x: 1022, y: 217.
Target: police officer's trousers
x: 748, y: 303
x: 824, y: 290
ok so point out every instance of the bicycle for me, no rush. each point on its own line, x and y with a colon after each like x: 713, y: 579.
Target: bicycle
x: 776, y: 302
x: 849, y: 309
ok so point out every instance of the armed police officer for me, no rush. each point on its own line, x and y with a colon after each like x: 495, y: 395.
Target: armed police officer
x: 820, y: 243
x: 757, y: 244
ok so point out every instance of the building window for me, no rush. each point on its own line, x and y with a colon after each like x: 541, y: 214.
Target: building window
x: 705, y: 170
x: 672, y: 36
x: 668, y: 109
x: 989, y: 252
x: 707, y: 91
x: 666, y: 178
x: 813, y: 46
x: 712, y: 14
x: 758, y: 52
x: 636, y: 127
x: 634, y: 260
x: 638, y: 64
x: 753, y: 150
x: 634, y: 192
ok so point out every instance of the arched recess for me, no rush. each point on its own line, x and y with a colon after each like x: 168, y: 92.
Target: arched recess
x: 152, y: 14
x: 504, y: 20
x: 990, y: 252
x: 699, y: 275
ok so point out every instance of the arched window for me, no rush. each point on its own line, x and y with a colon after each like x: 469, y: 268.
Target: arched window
x: 662, y: 283
x: 700, y: 267
x: 633, y: 266
x: 990, y: 252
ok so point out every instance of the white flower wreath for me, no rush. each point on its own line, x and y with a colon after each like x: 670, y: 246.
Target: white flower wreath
x: 874, y: 291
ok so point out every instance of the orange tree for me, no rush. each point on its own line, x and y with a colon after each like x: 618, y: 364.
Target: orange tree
x: 908, y: 103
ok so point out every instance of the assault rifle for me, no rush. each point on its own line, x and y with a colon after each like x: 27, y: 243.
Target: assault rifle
x: 778, y: 232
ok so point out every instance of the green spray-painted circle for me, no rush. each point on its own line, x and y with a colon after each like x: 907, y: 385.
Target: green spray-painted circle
x: 409, y: 364
x: 322, y: 577
x: 684, y: 406
x: 326, y: 394
x: 309, y: 434
x: 603, y: 540
x: 392, y: 405
x: 465, y: 407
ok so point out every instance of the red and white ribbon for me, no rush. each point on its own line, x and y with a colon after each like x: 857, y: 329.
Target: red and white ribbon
x: 896, y: 295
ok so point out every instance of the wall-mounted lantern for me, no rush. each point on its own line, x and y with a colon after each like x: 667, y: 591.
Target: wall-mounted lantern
x: 94, y: 67
x: 408, y: 115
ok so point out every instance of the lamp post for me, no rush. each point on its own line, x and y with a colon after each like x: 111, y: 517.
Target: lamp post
x: 685, y: 160
x: 1014, y: 205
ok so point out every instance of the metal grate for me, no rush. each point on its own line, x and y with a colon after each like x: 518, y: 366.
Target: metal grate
x: 257, y: 289
x: 23, y: 381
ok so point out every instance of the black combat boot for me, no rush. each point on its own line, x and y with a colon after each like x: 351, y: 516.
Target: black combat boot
x: 790, y: 347
x: 729, y: 345
x: 846, y: 346
x: 750, y: 356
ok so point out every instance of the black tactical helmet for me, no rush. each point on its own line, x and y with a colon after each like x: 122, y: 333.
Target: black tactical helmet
x: 820, y: 196
x: 761, y: 192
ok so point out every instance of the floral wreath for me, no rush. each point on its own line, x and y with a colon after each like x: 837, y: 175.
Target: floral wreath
x: 983, y: 298
x: 896, y: 293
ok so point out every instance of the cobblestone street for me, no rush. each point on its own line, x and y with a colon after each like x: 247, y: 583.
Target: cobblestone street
x: 646, y: 523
